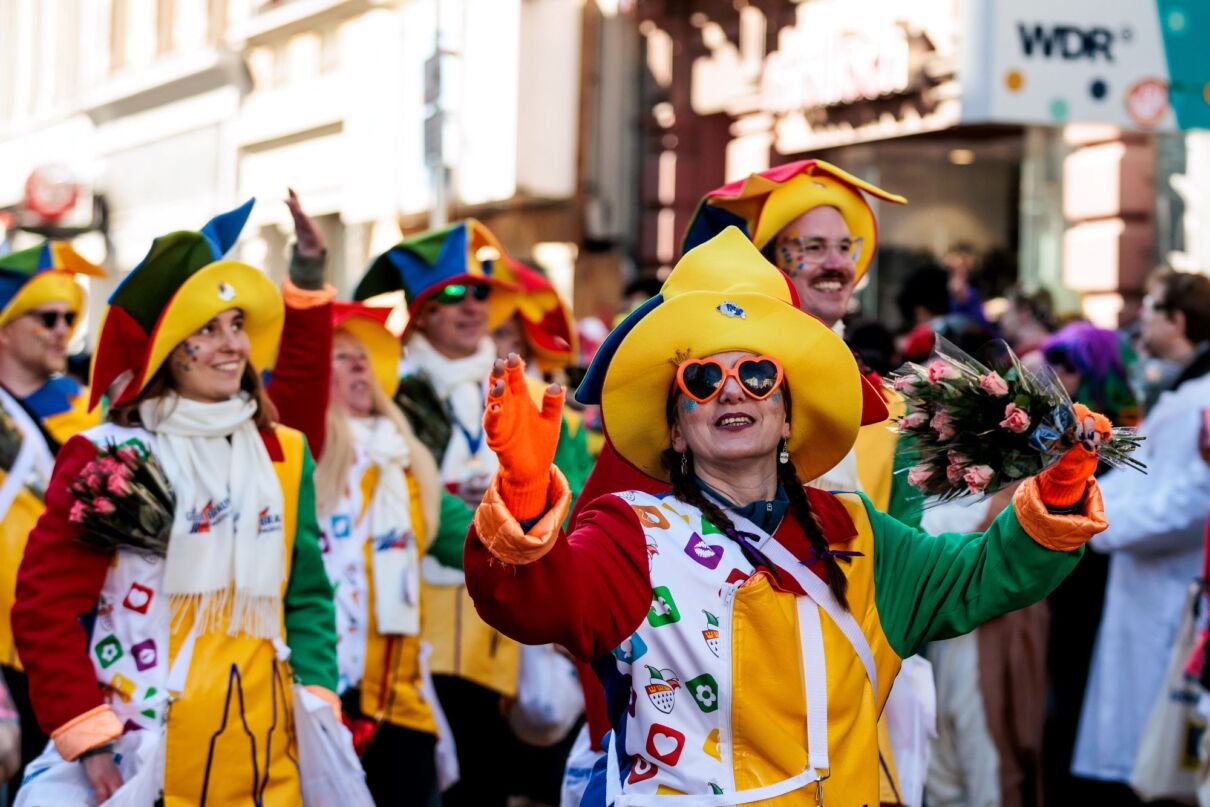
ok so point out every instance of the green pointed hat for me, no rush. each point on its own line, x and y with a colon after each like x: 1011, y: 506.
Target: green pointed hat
x: 181, y: 285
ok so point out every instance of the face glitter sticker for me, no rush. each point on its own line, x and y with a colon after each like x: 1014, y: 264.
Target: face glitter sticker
x: 226, y: 292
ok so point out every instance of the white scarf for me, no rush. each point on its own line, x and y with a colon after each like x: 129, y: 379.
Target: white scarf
x: 395, y: 561
x: 459, y: 385
x: 227, y: 554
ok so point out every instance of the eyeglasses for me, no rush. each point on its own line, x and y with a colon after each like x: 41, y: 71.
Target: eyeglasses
x: 703, y: 379
x: 50, y: 319
x: 815, y: 251
x: 455, y: 293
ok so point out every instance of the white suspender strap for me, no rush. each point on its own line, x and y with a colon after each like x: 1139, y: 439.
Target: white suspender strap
x: 818, y: 591
x: 815, y: 684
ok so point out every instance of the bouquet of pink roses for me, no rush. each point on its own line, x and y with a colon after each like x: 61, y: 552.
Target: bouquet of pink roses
x: 123, y: 499
x: 977, y: 429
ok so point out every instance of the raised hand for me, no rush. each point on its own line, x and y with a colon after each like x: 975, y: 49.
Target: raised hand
x: 308, y: 258
x: 523, y: 436
x: 1063, y: 484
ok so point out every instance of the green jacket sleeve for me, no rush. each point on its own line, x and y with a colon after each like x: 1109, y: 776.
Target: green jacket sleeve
x: 907, y: 503
x: 455, y: 522
x: 572, y: 457
x: 310, y: 614
x: 930, y: 587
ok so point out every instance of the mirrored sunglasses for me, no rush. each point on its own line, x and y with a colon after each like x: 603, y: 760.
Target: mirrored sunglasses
x: 703, y: 379
x: 455, y: 293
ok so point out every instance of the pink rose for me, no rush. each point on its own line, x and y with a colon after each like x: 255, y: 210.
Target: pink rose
x: 939, y: 370
x: 118, y: 485
x: 103, y: 506
x: 977, y: 477
x: 943, y: 425
x: 912, y: 421
x: 993, y: 384
x: 954, y: 474
x: 79, y: 511
x: 128, y: 455
x: 107, y: 465
x: 906, y: 383
x: 960, y: 460
x: 1016, y: 419
x: 918, y: 475
x: 95, y: 482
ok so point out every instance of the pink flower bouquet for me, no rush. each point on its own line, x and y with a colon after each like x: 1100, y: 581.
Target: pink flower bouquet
x: 123, y: 499
x: 976, y: 429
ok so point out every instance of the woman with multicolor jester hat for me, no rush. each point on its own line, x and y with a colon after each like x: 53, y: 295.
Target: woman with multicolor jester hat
x: 188, y: 658
x: 747, y: 629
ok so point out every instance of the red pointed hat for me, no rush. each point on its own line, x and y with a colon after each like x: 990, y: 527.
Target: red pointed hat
x: 550, y: 328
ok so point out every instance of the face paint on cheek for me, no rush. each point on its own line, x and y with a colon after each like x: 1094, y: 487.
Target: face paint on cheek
x: 688, y: 405
x: 775, y: 397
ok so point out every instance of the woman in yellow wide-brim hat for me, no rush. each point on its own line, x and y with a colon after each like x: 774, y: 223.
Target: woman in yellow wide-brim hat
x: 746, y: 629
x: 189, y: 649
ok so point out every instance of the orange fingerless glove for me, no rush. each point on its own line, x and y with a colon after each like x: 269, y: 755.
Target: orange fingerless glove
x: 524, y: 439
x: 1063, y: 484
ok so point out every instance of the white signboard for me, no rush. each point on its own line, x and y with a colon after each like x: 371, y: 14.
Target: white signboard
x: 1090, y: 61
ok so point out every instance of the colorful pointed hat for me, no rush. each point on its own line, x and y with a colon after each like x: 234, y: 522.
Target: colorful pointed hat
x: 368, y: 325
x: 43, y: 274
x: 754, y: 310
x: 764, y: 203
x: 180, y: 285
x: 424, y: 264
x: 550, y: 328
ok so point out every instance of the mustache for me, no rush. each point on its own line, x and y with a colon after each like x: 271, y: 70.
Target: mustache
x: 832, y: 274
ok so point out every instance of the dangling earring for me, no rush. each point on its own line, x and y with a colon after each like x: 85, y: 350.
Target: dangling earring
x: 684, y: 464
x: 784, y: 456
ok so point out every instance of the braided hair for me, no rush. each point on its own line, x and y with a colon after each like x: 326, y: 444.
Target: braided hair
x: 680, y: 470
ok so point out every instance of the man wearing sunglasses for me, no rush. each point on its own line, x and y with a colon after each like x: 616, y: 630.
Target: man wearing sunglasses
x: 457, y: 291
x: 40, y: 308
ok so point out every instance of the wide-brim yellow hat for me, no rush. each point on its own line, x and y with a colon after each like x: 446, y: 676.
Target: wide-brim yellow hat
x: 754, y: 314
x: 368, y: 325
x: 764, y: 203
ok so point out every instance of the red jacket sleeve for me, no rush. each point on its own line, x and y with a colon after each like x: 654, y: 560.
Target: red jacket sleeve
x: 302, y: 374
x: 58, y: 583
x: 588, y: 593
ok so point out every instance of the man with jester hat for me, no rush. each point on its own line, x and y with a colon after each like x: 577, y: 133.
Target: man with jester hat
x: 171, y: 668
x: 459, y: 284
x: 41, y: 304
x: 722, y: 389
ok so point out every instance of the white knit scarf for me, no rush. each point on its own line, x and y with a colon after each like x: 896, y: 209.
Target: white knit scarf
x: 395, y: 562
x: 459, y: 383
x: 226, y: 555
